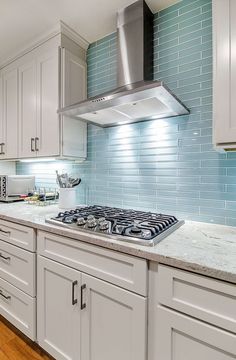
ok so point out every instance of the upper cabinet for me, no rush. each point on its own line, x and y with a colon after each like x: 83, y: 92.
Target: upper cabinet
x: 32, y: 88
x: 8, y: 112
x: 224, y: 82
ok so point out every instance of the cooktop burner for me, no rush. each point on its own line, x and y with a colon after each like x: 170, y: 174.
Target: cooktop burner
x: 139, y: 227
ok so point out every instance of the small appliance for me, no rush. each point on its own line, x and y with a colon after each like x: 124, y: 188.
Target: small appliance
x: 13, y: 187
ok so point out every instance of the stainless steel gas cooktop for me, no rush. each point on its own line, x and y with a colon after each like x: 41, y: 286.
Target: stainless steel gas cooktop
x: 133, y: 226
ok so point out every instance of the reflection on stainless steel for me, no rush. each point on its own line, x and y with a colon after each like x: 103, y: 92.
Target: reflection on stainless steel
x: 138, y: 97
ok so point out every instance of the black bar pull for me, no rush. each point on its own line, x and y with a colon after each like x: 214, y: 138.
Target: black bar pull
x: 82, y: 304
x: 5, y: 232
x: 7, y: 297
x: 5, y: 257
x: 74, y: 301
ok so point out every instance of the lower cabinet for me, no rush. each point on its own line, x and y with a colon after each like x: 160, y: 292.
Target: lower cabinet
x: 58, y: 309
x: 18, y: 308
x: 82, y: 317
x: 113, y: 322
x: 190, y: 316
x: 180, y: 337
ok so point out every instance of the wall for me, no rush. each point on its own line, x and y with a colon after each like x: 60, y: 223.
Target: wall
x: 7, y: 167
x: 163, y: 165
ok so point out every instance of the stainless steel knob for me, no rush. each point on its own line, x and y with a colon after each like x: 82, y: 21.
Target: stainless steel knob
x: 101, y: 220
x: 104, y: 225
x: 81, y: 221
x: 90, y: 217
x: 91, y: 223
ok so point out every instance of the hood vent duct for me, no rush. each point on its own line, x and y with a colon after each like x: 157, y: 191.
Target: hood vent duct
x: 138, y: 97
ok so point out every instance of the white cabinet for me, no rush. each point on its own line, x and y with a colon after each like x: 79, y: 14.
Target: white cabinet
x: 32, y: 88
x: 73, y: 89
x: 74, y: 78
x: 82, y: 317
x: 55, y: 76
x: 201, y: 324
x: 58, y: 309
x: 9, y: 112
x: 224, y: 83
x: 180, y: 337
x: 17, y: 276
x: 47, y: 127
x: 113, y: 322
x: 27, y: 106
x: 18, y: 308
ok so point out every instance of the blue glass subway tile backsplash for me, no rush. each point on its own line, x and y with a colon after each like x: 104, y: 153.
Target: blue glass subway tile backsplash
x: 164, y: 165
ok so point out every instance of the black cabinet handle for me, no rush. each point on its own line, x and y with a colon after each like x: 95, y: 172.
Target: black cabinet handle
x: 74, y: 301
x: 7, y: 297
x: 2, y: 149
x: 32, y: 144
x: 5, y: 257
x: 36, y: 144
x: 82, y: 304
x: 5, y: 232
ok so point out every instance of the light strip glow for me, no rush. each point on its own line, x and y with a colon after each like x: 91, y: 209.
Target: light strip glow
x: 37, y: 160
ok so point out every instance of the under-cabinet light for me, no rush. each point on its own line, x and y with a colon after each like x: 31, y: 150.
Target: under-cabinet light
x: 37, y: 160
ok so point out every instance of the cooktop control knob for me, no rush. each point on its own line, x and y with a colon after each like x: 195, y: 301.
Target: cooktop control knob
x: 101, y: 220
x: 90, y: 217
x: 91, y: 223
x: 81, y: 221
x: 104, y: 225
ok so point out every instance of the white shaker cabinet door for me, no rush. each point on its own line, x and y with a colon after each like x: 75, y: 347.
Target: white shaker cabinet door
x: 113, y: 322
x: 224, y: 84
x: 9, y: 138
x: 74, y: 78
x: 73, y: 90
x: 47, y: 140
x: 58, y: 309
x: 179, y: 337
x: 27, y: 107
x: 1, y: 109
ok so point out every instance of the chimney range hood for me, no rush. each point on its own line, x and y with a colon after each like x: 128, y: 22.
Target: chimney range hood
x: 137, y: 97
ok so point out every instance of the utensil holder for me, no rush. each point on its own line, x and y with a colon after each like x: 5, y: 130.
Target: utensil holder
x: 67, y: 198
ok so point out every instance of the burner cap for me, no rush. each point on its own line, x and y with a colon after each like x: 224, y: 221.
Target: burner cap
x: 136, y: 230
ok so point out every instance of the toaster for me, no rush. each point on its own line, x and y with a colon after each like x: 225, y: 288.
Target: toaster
x: 12, y: 187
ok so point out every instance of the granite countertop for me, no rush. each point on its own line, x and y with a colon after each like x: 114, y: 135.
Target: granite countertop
x: 203, y: 248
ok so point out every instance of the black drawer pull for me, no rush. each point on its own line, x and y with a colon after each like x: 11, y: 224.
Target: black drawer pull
x: 5, y: 257
x: 5, y: 232
x: 82, y: 304
x: 7, y: 297
x: 74, y: 301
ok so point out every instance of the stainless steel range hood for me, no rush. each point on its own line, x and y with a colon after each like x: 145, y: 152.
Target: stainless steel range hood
x: 138, y: 97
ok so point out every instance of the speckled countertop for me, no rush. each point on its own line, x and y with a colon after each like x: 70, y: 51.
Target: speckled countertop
x: 206, y: 249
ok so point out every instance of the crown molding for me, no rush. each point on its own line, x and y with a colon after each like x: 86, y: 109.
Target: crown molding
x: 73, y: 35
x: 60, y: 28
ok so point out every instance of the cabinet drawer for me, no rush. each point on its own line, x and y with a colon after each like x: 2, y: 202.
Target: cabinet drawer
x: 180, y: 337
x: 123, y: 270
x: 17, y: 266
x: 18, y: 308
x: 18, y: 235
x: 207, y: 299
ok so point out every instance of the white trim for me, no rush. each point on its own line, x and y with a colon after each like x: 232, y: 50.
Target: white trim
x: 73, y: 35
x: 60, y: 28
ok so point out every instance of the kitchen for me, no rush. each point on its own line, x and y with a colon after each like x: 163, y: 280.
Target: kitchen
x: 138, y: 260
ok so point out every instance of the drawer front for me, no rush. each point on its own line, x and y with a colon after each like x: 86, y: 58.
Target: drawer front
x: 180, y: 337
x: 18, y: 308
x: 19, y: 235
x: 204, y: 298
x: 17, y: 266
x: 123, y: 270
